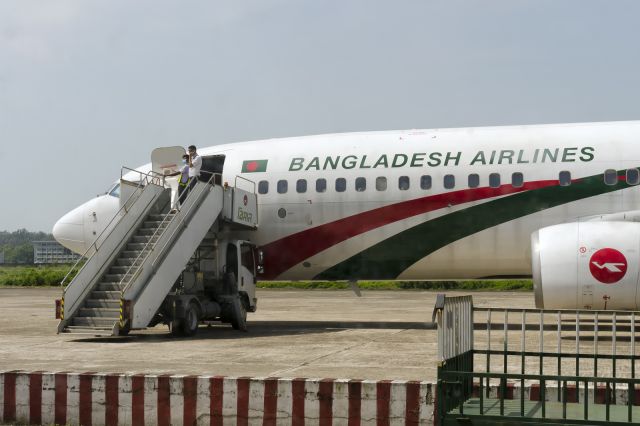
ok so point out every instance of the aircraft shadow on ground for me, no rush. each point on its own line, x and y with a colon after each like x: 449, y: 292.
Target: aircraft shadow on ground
x: 264, y: 329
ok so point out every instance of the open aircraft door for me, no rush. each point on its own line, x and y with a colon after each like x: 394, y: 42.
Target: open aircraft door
x: 167, y: 160
x: 164, y: 160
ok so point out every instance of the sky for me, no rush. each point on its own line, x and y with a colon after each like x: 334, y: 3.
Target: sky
x: 88, y: 86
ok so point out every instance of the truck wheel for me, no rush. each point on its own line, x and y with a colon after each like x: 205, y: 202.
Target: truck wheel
x: 191, y: 320
x: 239, y: 316
x: 175, y: 327
x: 124, y: 331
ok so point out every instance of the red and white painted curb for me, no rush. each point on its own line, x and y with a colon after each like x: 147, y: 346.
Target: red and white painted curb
x: 124, y: 399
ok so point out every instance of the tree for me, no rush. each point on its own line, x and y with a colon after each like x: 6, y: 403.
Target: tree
x: 17, y: 245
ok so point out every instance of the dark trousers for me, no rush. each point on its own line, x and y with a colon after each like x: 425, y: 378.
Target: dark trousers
x: 183, y: 191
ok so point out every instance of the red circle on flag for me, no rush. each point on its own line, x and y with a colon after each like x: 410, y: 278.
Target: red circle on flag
x: 608, y: 265
x: 252, y: 166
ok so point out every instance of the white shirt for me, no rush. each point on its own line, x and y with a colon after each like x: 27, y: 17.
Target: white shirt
x: 194, y: 170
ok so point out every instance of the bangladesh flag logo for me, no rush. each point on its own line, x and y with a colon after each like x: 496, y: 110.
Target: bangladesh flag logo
x: 254, y: 166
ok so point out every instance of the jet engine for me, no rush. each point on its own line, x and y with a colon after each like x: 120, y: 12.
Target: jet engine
x: 586, y: 265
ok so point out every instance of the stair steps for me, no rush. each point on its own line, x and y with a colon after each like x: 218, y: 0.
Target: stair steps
x: 101, y: 310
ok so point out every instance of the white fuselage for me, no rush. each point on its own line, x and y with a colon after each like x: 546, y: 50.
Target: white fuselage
x: 418, y: 204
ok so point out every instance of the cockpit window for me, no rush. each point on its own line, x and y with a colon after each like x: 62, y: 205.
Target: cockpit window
x: 115, y: 191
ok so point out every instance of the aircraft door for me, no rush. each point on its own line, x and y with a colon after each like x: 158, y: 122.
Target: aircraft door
x: 212, y: 165
x: 167, y: 159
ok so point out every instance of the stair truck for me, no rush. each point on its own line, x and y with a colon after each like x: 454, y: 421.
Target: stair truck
x: 152, y: 265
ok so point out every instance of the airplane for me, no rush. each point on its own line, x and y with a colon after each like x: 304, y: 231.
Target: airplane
x: 556, y: 202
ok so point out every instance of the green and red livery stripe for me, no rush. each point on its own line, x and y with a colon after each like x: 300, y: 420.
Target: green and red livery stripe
x: 286, y: 252
x: 254, y: 166
x: 389, y: 258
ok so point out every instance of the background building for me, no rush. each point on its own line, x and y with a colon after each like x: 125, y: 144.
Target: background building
x: 52, y: 252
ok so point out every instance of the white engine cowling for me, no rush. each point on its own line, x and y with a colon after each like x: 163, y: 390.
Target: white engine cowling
x: 586, y: 265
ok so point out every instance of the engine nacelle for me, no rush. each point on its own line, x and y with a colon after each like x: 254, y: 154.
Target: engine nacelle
x: 586, y: 265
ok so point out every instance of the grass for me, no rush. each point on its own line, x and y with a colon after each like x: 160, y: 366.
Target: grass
x: 44, y: 276
x: 477, y: 285
x: 33, y: 276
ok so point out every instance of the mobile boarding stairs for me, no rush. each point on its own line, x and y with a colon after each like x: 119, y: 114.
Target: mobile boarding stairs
x: 140, y: 256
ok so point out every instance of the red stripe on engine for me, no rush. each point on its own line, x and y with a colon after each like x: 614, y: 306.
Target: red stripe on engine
x: 383, y: 398
x: 9, y: 397
x: 297, y: 404
x: 412, y: 408
x: 270, y: 402
x: 355, y: 401
x: 325, y: 395
x: 243, y: 402
x: 86, y: 380
x: 216, y: 392
x: 137, y: 400
x: 111, y: 400
x: 35, y: 398
x: 61, y: 399
x: 190, y: 391
x: 164, y: 401
x: 287, y: 252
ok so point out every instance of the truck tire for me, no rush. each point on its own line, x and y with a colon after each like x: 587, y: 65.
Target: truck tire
x: 175, y: 327
x: 124, y: 331
x: 239, y: 315
x: 191, y: 320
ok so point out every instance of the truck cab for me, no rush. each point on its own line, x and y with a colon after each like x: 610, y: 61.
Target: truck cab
x: 218, y: 285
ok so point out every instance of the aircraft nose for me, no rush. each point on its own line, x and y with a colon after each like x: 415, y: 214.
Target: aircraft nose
x: 69, y: 230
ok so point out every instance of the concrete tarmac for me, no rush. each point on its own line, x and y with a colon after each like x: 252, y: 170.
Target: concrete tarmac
x: 294, y: 333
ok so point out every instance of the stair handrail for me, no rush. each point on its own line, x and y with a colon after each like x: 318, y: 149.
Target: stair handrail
x: 101, y: 264
x: 148, y: 177
x: 187, y: 213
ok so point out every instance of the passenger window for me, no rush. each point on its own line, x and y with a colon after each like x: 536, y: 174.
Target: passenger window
x: 610, y: 177
x: 565, y: 178
x: 361, y: 184
x: 321, y: 185
x: 301, y: 186
x: 283, y: 186
x: 449, y: 181
x: 381, y: 183
x: 494, y: 180
x: 403, y: 183
x: 263, y: 187
x: 633, y: 176
x: 474, y: 180
x: 341, y: 185
x: 517, y: 180
x: 425, y: 182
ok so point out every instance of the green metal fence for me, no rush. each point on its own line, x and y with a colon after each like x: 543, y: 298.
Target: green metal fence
x: 526, y: 366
